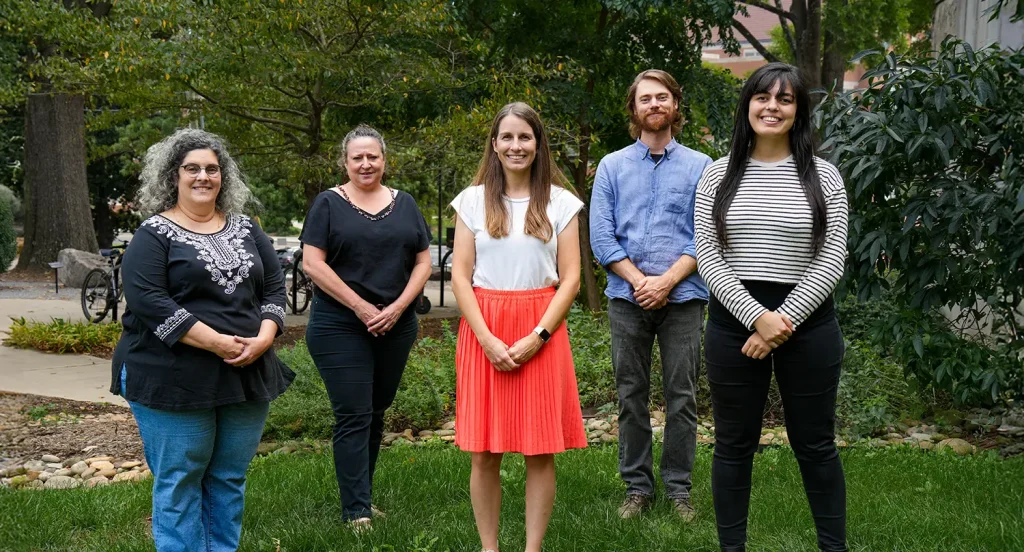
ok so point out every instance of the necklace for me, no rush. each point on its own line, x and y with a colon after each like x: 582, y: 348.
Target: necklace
x: 391, y: 206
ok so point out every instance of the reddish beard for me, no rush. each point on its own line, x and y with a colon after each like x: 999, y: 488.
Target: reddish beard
x: 647, y: 125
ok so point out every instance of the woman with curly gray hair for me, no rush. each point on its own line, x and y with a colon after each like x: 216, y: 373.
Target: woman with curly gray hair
x: 206, y: 299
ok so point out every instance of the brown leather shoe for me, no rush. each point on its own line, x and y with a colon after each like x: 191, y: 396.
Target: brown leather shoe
x: 684, y: 508
x: 634, y: 505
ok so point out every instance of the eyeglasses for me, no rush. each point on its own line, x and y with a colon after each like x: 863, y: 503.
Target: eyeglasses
x: 193, y: 170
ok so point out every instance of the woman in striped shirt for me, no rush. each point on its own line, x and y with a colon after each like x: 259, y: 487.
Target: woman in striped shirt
x: 771, y: 224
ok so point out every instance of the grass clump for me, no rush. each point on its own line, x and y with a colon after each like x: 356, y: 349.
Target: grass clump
x: 61, y: 336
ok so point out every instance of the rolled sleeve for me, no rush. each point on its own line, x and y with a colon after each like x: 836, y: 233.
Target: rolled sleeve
x: 144, y: 280
x: 603, y: 242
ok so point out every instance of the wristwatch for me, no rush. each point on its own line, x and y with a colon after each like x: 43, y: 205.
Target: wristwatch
x: 542, y: 333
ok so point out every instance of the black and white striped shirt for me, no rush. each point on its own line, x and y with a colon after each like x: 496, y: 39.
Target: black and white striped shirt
x: 769, y: 226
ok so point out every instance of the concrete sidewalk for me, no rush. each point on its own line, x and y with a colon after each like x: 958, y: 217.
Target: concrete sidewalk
x: 76, y: 377
x: 87, y: 378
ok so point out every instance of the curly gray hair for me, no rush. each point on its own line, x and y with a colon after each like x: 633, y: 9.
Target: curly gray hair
x: 158, y: 190
x: 361, y: 131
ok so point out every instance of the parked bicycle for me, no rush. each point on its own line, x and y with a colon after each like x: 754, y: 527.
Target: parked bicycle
x: 101, y: 290
x: 298, y: 287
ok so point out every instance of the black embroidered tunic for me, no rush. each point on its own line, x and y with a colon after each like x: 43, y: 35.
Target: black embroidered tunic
x: 231, y: 280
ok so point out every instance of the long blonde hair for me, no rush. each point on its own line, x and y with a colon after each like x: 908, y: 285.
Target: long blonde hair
x: 543, y: 174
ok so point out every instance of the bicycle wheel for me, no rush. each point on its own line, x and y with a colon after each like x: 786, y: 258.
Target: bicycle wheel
x: 96, y: 295
x: 303, y: 285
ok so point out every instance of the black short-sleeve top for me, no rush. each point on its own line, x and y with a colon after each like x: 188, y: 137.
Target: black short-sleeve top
x: 231, y: 280
x: 373, y: 257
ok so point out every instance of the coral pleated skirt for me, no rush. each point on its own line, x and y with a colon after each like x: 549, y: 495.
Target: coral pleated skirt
x: 534, y: 409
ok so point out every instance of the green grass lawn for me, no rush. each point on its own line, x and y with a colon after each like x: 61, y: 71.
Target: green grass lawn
x: 899, y: 499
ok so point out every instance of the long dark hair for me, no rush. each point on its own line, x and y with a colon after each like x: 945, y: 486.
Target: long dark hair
x: 543, y: 174
x: 801, y: 143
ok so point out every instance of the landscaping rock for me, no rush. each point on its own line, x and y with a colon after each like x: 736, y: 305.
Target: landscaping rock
x: 88, y: 473
x: 444, y: 432
x: 43, y: 476
x: 449, y: 425
x: 90, y: 461
x: 37, y: 465
x: 48, y: 458
x: 766, y: 439
x: 98, y: 481
x: 1012, y: 431
x: 926, y: 445
x: 126, y: 476
x: 37, y: 484
x: 102, y: 465
x: 14, y: 471
x: 266, y: 448
x: 921, y: 437
x: 130, y: 465
x: 109, y: 472
x: 448, y: 438
x: 61, y: 482
x: 55, y: 465
x: 390, y: 438
x: 77, y: 265
x: 959, y: 446
x: 65, y: 472
x: 145, y: 474
x: 78, y: 468
x: 426, y: 434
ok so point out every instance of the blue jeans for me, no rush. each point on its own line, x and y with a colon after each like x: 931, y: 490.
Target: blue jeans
x: 199, y: 459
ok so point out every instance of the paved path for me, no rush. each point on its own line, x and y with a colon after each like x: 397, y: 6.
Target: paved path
x: 84, y: 377
x: 77, y: 377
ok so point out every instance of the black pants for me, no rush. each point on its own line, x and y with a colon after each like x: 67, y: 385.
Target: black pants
x: 807, y: 370
x: 361, y: 373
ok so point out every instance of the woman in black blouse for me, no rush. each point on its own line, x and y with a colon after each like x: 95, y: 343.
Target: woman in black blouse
x: 205, y: 299
x: 365, y: 247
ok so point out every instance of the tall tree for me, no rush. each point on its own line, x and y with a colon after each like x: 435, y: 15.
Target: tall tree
x: 283, y: 79
x: 581, y: 57
x: 821, y: 37
x: 56, y: 189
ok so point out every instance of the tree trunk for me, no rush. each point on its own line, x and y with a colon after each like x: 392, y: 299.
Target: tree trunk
x: 833, y: 65
x: 57, y: 212
x: 808, y: 39
x: 589, y: 289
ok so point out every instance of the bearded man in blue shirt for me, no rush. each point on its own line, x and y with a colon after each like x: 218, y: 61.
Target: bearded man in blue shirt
x: 641, y: 231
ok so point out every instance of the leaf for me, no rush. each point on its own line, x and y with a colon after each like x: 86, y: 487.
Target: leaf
x: 918, y: 346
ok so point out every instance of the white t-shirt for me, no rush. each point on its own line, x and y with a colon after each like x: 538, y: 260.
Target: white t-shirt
x: 517, y: 261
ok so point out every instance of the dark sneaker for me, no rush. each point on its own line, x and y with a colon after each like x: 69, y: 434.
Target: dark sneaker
x: 684, y: 508
x: 635, y: 505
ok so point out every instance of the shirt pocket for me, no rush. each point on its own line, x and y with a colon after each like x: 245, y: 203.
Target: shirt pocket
x: 677, y: 202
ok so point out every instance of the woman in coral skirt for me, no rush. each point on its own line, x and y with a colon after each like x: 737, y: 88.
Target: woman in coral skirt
x: 515, y: 274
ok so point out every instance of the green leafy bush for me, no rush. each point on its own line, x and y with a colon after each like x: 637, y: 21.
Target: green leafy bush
x: 8, y: 240
x: 873, y: 392
x: 8, y: 196
x: 61, y: 336
x: 930, y: 155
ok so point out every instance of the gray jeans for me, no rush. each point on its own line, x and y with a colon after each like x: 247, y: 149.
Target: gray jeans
x: 678, y: 329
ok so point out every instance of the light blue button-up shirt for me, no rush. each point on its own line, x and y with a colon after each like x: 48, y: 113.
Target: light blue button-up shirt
x: 644, y: 211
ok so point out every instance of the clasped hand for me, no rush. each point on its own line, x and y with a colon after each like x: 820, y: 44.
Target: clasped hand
x: 773, y: 329
x: 505, y: 358
x: 379, y: 321
x: 242, y: 351
x: 651, y: 292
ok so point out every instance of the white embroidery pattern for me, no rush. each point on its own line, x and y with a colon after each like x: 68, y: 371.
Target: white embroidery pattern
x: 226, y: 258
x: 172, y: 321
x: 272, y: 309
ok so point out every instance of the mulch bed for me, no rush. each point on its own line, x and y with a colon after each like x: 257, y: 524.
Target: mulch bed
x: 33, y: 425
